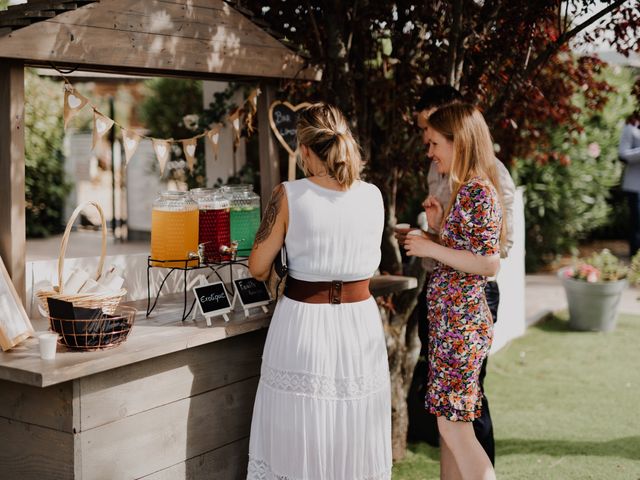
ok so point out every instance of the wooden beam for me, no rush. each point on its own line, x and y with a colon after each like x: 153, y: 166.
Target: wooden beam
x: 157, y: 35
x: 269, y: 157
x: 12, y: 164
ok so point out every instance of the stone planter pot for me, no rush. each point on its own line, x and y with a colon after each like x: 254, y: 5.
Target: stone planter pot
x: 592, y: 306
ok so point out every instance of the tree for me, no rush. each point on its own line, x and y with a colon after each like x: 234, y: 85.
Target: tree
x: 46, y: 187
x: 511, y: 57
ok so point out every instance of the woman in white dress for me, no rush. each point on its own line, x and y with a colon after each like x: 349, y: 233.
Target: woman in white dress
x: 323, y: 407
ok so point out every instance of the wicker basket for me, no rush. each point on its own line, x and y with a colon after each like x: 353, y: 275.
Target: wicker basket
x: 106, y: 301
x: 106, y: 331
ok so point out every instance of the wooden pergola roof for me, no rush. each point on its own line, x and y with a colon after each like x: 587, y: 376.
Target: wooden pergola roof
x: 24, y: 14
x: 194, y: 38
x: 206, y: 39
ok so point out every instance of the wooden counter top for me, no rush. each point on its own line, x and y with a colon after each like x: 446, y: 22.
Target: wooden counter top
x: 162, y: 333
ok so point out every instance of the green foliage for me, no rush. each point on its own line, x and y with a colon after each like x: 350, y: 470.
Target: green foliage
x: 601, y: 266
x: 567, y: 197
x: 164, y: 110
x: 173, y: 109
x: 634, y: 270
x: 45, y: 184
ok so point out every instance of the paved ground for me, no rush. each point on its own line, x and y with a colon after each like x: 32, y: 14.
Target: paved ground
x: 544, y: 292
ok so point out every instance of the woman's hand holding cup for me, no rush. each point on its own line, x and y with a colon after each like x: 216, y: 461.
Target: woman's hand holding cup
x: 417, y: 244
x: 400, y: 232
x: 433, y: 209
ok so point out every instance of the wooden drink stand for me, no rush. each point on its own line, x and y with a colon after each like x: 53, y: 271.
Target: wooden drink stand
x: 175, y: 400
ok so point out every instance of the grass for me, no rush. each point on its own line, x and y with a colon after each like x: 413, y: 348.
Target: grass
x: 565, y: 405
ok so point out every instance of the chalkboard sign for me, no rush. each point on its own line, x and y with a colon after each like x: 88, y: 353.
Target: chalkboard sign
x: 213, y: 300
x: 252, y: 292
x: 283, y: 117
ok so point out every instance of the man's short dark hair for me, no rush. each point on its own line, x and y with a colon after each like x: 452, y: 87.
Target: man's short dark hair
x: 437, y: 96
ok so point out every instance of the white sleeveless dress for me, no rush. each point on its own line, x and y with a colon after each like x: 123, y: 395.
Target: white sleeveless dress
x: 323, y: 406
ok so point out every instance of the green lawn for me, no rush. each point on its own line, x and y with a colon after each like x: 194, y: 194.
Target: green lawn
x: 565, y: 405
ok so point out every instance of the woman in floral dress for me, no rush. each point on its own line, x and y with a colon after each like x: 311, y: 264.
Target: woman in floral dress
x: 467, y: 250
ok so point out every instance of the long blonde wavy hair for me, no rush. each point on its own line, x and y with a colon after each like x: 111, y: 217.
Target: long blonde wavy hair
x: 323, y: 128
x: 473, y: 155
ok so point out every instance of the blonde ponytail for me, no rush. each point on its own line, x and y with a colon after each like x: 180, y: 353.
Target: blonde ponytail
x: 323, y: 128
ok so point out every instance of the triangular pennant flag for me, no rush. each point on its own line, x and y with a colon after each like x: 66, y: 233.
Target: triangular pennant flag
x: 213, y: 136
x: 131, y: 141
x: 189, y: 147
x: 234, y: 118
x: 161, y: 147
x: 73, y: 103
x: 252, y: 101
x: 101, y: 125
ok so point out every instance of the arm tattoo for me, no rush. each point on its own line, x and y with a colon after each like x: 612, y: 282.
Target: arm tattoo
x: 270, y: 214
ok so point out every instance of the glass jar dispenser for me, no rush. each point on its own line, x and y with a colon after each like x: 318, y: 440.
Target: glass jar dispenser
x: 245, y: 216
x: 174, y: 230
x: 213, y: 222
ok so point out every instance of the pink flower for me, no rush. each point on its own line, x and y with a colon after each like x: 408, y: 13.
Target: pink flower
x: 593, y: 276
x: 568, y: 273
x: 593, y: 149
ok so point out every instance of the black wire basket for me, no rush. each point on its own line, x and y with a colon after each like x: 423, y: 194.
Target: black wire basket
x: 99, y: 332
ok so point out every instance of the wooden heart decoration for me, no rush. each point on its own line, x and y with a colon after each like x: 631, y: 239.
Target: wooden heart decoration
x: 283, y: 118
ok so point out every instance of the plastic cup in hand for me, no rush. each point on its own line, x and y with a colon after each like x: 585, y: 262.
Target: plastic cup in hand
x: 402, y: 226
x: 48, y: 344
x: 415, y: 232
x: 423, y: 223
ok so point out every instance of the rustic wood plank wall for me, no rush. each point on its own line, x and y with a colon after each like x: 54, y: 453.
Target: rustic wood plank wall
x: 182, y: 415
x: 32, y: 452
x: 36, y: 432
x: 130, y: 390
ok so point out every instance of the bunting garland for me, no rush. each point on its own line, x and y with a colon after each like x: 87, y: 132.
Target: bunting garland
x: 131, y: 141
x: 213, y: 136
x: 162, y: 149
x: 189, y: 148
x: 234, y: 118
x: 74, y: 102
x: 252, y: 101
x: 101, y: 125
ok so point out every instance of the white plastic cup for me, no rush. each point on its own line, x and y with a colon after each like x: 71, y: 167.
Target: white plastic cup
x: 48, y: 344
x: 415, y: 232
x: 402, y: 226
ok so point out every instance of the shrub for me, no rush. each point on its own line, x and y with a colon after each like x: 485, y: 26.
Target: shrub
x: 568, y: 196
x: 163, y: 111
x: 634, y: 270
x: 45, y: 186
x: 602, y: 266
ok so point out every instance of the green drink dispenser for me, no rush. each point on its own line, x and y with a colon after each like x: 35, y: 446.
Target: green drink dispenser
x: 245, y: 216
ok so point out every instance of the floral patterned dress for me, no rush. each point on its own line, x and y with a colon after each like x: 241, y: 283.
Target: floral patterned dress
x: 460, y: 323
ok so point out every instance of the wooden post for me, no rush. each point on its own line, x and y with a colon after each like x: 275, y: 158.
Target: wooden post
x: 269, y: 156
x: 12, y: 164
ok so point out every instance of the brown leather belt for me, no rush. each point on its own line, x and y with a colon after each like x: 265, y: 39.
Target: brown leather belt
x: 334, y: 292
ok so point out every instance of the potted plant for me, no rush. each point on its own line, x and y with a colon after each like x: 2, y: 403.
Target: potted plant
x: 594, y: 286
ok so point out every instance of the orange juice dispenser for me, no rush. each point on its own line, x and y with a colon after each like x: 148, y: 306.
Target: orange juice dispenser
x: 174, y: 230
